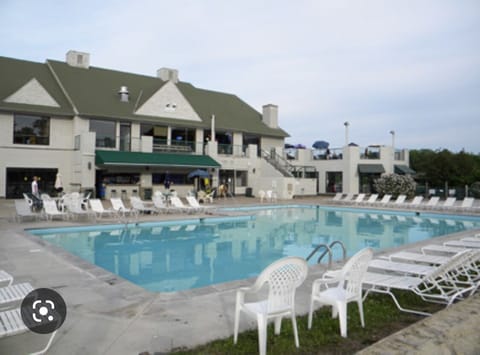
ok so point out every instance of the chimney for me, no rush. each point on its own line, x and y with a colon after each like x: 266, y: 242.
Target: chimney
x: 123, y: 92
x: 78, y: 59
x: 270, y: 115
x: 167, y: 74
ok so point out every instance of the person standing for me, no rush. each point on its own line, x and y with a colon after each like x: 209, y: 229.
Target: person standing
x: 35, y: 187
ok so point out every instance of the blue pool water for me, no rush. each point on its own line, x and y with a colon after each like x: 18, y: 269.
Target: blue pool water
x: 174, y: 256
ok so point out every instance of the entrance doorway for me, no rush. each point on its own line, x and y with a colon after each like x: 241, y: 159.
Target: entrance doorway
x: 19, y: 180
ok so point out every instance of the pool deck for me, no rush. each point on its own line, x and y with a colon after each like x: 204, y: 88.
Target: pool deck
x: 108, y: 315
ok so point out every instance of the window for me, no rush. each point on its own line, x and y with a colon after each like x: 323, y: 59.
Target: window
x: 159, y: 133
x: 31, y: 130
x: 105, y: 131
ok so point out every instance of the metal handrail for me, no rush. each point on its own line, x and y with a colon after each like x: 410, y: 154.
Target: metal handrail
x: 327, y: 250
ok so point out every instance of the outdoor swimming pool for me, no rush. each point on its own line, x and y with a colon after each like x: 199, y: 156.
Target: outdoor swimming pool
x: 180, y: 255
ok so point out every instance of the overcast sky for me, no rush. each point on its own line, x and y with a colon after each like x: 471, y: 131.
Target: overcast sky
x: 410, y: 66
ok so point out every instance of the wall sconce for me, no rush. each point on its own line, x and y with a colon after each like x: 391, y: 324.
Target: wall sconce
x: 89, y: 165
x: 253, y: 170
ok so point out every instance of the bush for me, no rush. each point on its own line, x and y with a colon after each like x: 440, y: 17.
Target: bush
x: 395, y: 185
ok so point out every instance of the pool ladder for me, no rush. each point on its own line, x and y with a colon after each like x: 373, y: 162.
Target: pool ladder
x: 328, y: 249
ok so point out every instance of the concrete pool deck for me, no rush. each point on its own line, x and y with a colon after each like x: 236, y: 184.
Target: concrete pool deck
x: 109, y: 315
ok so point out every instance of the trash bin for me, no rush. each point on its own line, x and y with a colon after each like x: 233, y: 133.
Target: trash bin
x: 248, y: 192
x: 147, y: 193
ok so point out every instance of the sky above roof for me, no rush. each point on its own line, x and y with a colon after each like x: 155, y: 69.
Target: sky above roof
x: 408, y: 66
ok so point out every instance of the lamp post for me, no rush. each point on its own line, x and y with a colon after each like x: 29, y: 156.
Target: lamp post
x: 346, y: 124
x: 392, y: 132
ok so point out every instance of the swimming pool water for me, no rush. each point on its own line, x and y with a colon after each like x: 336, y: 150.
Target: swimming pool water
x: 180, y: 255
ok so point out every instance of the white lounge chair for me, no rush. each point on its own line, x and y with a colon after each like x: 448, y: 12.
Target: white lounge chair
x: 399, y: 201
x: 5, y: 277
x: 445, y: 284
x: 11, y: 323
x: 371, y: 200
x: 117, y: 205
x: 141, y: 207
x: 348, y: 289
x: 51, y: 211
x: 192, y: 201
x: 406, y: 256
x: 160, y: 203
x: 14, y: 292
x: 432, y: 203
x: 178, y: 204
x: 385, y: 200
x: 347, y: 199
x: 448, y: 204
x: 359, y: 198
x: 400, y: 268
x: 97, y: 207
x: 23, y: 210
x: 415, y: 203
x: 337, y: 197
x: 283, y: 277
x: 467, y: 204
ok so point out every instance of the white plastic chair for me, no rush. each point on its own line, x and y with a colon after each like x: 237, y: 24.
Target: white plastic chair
x: 261, y: 194
x: 283, y: 278
x: 348, y: 288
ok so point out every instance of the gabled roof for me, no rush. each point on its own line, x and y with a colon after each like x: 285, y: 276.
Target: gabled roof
x: 17, y: 75
x: 94, y: 93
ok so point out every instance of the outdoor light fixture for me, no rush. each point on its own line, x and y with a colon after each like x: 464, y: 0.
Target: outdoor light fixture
x: 346, y: 124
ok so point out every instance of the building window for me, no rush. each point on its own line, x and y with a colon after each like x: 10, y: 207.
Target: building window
x: 31, y: 130
x: 105, y: 133
x: 159, y: 133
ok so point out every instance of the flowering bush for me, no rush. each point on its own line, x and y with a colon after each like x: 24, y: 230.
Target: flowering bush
x: 394, y: 184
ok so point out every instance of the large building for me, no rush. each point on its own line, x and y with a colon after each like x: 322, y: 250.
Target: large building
x: 121, y: 133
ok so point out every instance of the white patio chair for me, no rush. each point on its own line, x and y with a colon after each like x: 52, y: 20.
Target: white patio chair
x: 385, y: 200
x: 359, y: 198
x: 159, y: 202
x: 347, y: 199
x: 347, y: 288
x: 262, y: 195
x: 337, y: 197
x: 283, y: 277
x: 399, y: 201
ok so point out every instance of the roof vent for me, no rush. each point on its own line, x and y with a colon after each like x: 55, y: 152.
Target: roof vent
x: 123, y: 92
x: 78, y: 59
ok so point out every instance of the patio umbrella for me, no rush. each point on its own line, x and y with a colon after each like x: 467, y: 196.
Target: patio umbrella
x: 289, y: 146
x: 320, y: 145
x: 58, y: 183
x: 199, y: 173
x: 300, y: 146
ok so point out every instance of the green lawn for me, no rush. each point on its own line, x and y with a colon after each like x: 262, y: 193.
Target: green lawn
x: 382, y: 318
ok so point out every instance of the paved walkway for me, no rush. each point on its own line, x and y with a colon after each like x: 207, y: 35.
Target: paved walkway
x: 108, y: 315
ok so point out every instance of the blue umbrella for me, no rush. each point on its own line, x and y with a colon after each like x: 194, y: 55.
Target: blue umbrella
x: 199, y: 173
x: 320, y: 145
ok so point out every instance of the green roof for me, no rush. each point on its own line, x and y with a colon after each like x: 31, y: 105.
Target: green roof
x: 16, y: 73
x: 94, y: 92
x: 112, y: 157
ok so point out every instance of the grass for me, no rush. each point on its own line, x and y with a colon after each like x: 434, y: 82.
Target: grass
x: 382, y: 318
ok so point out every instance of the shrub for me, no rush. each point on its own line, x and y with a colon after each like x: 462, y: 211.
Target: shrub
x: 395, y: 185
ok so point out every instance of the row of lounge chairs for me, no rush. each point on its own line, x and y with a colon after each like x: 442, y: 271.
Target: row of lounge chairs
x: 94, y: 208
x: 11, y: 296
x: 453, y: 275
x: 418, y: 202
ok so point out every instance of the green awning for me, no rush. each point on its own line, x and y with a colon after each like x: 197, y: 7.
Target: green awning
x: 113, y: 157
x: 404, y: 170
x: 371, y: 169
